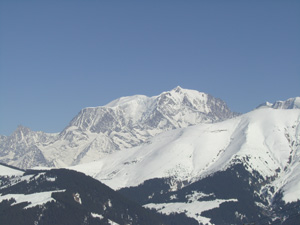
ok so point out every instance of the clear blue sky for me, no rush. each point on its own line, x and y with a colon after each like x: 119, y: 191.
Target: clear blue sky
x: 59, y: 56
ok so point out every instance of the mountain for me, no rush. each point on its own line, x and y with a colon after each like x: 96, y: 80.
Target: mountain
x: 180, y: 152
x: 291, y: 103
x: 67, y: 197
x: 265, y: 140
x: 247, y: 166
x: 123, y: 123
x: 23, y: 148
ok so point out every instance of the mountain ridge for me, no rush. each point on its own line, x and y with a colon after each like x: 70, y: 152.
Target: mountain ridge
x: 123, y: 123
x: 265, y: 140
x: 291, y: 103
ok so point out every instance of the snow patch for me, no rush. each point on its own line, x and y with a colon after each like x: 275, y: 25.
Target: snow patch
x: 195, y: 196
x: 51, y: 179
x: 34, y: 199
x: 95, y: 215
x: 191, y: 209
x: 112, y: 222
x: 6, y: 171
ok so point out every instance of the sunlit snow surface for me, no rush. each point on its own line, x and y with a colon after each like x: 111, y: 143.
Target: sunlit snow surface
x: 6, y: 171
x: 34, y: 199
x: 192, y: 209
x: 267, y: 140
x: 17, y: 176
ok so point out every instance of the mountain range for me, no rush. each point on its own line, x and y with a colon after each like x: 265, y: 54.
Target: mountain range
x: 182, y: 151
x: 121, y: 124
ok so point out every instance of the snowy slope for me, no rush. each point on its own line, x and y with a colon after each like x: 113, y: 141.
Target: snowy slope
x: 34, y: 199
x: 7, y: 171
x: 266, y: 141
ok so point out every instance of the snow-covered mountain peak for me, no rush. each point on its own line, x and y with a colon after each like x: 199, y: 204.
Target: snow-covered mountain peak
x: 127, y: 100
x: 188, y: 106
x: 23, y: 148
x: 186, y: 102
x: 20, y: 133
x: 177, y: 89
x: 180, y: 93
x: 26, y: 136
x: 291, y: 103
x: 184, y: 91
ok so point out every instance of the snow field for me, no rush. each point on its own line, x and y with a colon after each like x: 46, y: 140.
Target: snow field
x: 6, y: 171
x: 191, y: 209
x: 262, y: 139
x: 34, y: 199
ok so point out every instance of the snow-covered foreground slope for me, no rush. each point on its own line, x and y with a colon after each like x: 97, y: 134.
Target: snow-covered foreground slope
x: 62, y: 197
x: 34, y: 199
x: 266, y: 141
x: 7, y: 171
x: 242, y: 170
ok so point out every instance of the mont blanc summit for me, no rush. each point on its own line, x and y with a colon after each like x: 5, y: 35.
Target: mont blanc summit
x: 123, y: 123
